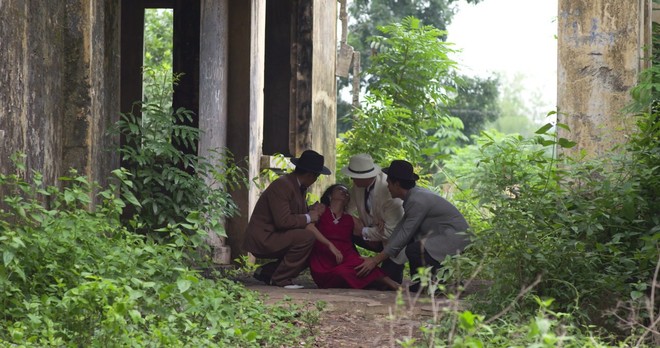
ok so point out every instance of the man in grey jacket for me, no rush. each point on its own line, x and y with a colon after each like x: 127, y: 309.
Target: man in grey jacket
x: 430, y: 228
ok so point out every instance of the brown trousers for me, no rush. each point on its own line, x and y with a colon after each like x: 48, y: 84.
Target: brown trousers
x: 291, y: 249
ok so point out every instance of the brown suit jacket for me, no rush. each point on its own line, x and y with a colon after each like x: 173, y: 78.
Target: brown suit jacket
x: 281, y: 207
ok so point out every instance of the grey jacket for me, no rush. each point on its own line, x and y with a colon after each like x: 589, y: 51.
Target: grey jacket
x: 434, y: 221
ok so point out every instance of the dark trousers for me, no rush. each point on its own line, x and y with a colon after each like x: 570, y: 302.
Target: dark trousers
x: 391, y: 268
x: 417, y: 258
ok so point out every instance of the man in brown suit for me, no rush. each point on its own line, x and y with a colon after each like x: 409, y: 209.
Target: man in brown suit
x: 277, y: 226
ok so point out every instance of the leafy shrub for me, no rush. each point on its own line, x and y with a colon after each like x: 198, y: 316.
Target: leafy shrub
x: 74, y: 276
x: 543, y: 328
x: 405, y: 110
x: 168, y: 178
x: 587, y: 227
x: 450, y: 324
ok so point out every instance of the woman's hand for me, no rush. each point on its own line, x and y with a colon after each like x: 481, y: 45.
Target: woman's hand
x: 338, y: 255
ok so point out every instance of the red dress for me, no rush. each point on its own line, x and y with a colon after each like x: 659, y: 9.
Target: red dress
x: 323, y: 264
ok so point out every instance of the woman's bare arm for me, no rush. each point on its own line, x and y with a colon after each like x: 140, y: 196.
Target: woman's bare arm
x: 321, y: 238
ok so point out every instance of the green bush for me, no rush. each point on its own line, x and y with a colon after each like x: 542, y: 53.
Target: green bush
x: 168, y: 178
x: 588, y: 228
x: 74, y: 276
x: 405, y: 110
x: 543, y: 329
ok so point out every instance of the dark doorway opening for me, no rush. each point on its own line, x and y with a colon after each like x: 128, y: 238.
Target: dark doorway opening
x: 287, y: 76
x: 278, y: 72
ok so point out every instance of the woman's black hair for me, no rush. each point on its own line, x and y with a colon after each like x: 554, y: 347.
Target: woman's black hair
x: 325, y: 198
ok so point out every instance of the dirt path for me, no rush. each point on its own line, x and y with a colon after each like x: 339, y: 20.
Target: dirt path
x: 356, y: 318
x: 359, y: 330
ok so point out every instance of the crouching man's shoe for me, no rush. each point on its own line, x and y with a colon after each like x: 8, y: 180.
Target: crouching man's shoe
x: 258, y: 275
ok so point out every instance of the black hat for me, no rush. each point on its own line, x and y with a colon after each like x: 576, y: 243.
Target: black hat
x: 311, y: 161
x: 402, y: 170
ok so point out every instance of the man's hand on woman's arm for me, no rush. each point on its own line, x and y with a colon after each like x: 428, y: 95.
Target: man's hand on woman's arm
x: 370, y: 263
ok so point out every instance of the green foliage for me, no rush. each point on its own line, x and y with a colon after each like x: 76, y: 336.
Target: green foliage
x: 404, y: 114
x: 74, y: 276
x: 158, y: 44
x: 475, y: 103
x: 583, y: 232
x: 410, y: 65
x: 369, y: 15
x: 171, y: 182
x: 545, y: 328
x: 451, y: 325
x: 476, y: 99
x: 588, y: 228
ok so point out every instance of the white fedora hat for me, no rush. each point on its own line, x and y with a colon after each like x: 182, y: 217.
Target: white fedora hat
x: 361, y: 166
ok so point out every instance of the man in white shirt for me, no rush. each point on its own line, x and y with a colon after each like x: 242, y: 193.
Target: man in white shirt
x: 377, y: 211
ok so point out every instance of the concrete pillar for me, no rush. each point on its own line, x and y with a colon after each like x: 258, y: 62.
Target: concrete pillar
x: 213, y: 65
x: 245, y: 103
x: 59, y: 77
x: 599, y: 61
x: 324, y: 87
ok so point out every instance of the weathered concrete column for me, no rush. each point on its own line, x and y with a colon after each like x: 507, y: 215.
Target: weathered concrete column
x: 247, y: 25
x: 324, y: 87
x: 599, y: 60
x: 59, y: 77
x: 101, y: 37
x: 213, y: 65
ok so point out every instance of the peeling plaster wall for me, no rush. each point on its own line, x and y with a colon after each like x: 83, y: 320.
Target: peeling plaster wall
x: 59, y: 85
x: 598, y: 63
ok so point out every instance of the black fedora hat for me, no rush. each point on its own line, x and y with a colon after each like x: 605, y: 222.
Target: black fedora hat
x: 402, y: 170
x: 311, y: 161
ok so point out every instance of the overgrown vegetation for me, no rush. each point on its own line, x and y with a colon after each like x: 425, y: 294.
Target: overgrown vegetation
x: 169, y: 179
x: 405, y: 111
x: 88, y: 266
x: 578, y: 235
x: 567, y: 246
x: 581, y: 234
x: 75, y: 276
x: 476, y: 99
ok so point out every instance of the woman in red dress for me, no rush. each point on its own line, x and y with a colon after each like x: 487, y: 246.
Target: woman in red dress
x: 333, y: 258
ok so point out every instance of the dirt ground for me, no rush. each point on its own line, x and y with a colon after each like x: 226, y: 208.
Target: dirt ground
x: 357, y: 318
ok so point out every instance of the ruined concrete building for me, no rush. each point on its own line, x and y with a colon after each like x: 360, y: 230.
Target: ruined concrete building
x: 259, y: 74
